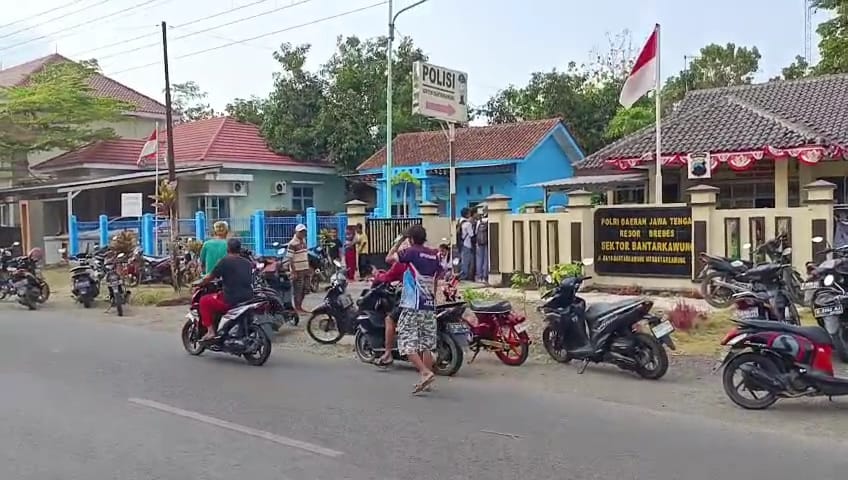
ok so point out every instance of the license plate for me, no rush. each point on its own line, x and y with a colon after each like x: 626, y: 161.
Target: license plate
x: 83, y: 284
x: 521, y: 327
x: 827, y: 311
x: 809, y: 285
x: 748, y: 313
x: 457, y: 328
x: 722, y: 356
x: 662, y: 329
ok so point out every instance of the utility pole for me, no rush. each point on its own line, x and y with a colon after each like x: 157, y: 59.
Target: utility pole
x: 169, y: 117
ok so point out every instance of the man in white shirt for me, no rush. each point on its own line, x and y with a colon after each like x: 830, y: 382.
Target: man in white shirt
x: 466, y: 250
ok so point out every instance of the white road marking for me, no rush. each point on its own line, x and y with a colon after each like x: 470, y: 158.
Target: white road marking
x: 288, y: 442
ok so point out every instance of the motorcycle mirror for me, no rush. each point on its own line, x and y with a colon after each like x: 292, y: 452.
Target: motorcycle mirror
x: 281, y: 251
x: 828, y: 280
x: 16, y: 244
x: 817, y: 239
x: 787, y: 251
x: 588, y: 261
x: 746, y: 246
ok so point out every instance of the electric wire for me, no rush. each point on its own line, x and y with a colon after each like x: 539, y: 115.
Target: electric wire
x: 208, y: 29
x: 65, y: 15
x: 34, y: 15
x: 257, y: 37
x: 88, y: 22
x: 192, y: 22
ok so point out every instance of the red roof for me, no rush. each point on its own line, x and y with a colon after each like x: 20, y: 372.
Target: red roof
x: 509, y: 141
x: 102, y: 85
x: 219, y: 139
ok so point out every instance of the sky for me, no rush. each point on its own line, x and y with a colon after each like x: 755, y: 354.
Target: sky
x: 497, y: 42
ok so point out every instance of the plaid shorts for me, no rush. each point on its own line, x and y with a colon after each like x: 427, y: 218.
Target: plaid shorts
x: 416, y: 331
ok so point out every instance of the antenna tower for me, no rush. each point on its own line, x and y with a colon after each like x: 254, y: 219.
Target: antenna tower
x: 808, y: 31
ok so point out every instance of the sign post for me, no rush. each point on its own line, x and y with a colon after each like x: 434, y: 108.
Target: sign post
x: 131, y: 204
x: 442, y: 94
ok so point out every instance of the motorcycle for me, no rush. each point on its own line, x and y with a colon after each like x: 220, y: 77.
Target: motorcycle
x: 722, y: 277
x: 499, y: 329
x: 830, y: 300
x: 768, y: 286
x: 380, y: 300
x: 240, y: 331
x: 777, y: 360
x: 118, y: 294
x: 336, y: 316
x: 30, y: 287
x: 274, y: 283
x: 9, y: 264
x: 85, y: 277
x: 604, y: 332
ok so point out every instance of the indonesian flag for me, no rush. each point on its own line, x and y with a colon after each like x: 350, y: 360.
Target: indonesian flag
x: 643, y: 76
x: 150, y: 150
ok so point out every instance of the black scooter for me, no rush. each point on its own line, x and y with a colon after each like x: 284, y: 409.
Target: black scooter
x: 604, y: 332
x: 379, y: 301
x: 336, y: 316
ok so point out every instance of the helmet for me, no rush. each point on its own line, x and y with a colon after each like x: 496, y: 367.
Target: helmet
x: 36, y: 254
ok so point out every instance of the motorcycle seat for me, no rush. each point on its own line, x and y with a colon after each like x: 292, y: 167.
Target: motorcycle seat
x: 500, y: 306
x: 814, y: 333
x: 598, y: 310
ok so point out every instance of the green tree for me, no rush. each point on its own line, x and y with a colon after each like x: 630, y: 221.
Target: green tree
x: 799, y: 68
x: 249, y: 110
x: 189, y: 102
x: 628, y: 120
x: 715, y: 66
x: 833, y: 47
x: 292, y: 112
x: 56, y: 109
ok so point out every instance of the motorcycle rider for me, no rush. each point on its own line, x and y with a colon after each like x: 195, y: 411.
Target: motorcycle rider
x: 394, y: 274
x: 214, y: 249
x: 236, y: 274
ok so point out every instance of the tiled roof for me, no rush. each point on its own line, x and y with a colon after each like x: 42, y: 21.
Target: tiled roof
x: 510, y: 141
x: 780, y: 114
x: 219, y: 139
x: 102, y: 85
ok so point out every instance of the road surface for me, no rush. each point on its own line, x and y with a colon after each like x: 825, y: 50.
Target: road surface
x: 90, y: 400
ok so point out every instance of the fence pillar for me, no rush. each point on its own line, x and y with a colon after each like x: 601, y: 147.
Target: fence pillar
x: 73, y: 235
x: 311, y: 227
x: 355, y: 212
x: 103, y: 222
x: 500, y: 238
x: 258, y: 227
x: 148, y: 240
x: 582, y: 231
x: 200, y: 225
x: 702, y: 201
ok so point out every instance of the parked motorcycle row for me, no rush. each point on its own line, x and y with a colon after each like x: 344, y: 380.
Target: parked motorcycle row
x: 90, y: 270
x: 21, y: 278
x: 768, y: 355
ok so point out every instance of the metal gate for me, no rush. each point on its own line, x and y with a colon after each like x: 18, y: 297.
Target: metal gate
x: 381, y: 235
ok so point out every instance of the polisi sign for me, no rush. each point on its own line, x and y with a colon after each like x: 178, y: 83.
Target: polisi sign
x: 439, y: 93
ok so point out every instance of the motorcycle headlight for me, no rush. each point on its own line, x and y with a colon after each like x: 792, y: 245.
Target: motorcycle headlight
x: 828, y: 280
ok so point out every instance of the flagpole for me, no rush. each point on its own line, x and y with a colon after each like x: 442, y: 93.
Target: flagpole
x: 156, y: 204
x: 658, y: 188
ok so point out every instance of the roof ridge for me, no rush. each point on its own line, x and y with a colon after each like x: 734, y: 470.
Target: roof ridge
x: 751, y: 86
x: 214, y: 137
x: 157, y: 102
x: 771, y: 116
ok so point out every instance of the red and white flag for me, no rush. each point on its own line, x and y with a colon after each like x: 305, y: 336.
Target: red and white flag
x: 644, y: 75
x: 150, y: 150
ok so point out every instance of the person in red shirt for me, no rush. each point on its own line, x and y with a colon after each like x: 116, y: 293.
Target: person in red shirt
x: 393, y: 274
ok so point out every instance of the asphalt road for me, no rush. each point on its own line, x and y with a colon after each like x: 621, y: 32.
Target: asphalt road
x: 89, y: 400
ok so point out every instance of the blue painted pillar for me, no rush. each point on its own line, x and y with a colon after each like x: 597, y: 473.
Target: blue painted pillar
x: 148, y: 243
x: 259, y: 235
x: 103, y: 226
x: 381, y: 195
x: 311, y: 227
x: 73, y: 236
x: 425, y: 189
x: 200, y: 225
x: 254, y: 233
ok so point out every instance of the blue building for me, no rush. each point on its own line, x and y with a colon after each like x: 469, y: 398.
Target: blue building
x: 505, y: 159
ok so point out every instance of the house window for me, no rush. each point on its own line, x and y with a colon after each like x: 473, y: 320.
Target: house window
x: 625, y: 195
x: 7, y: 214
x: 215, y: 208
x: 302, y: 198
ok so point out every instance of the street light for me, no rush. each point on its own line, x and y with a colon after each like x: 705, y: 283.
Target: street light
x: 388, y: 174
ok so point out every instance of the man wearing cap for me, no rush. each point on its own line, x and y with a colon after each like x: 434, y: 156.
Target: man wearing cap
x: 297, y: 259
x: 236, y: 274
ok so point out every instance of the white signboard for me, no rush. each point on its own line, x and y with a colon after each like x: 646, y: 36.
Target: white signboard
x: 440, y: 93
x: 131, y: 204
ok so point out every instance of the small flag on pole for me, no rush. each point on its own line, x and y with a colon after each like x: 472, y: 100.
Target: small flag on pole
x: 150, y: 150
x: 643, y: 77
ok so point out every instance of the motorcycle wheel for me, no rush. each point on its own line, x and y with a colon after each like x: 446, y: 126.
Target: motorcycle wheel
x: 324, y: 323
x: 549, y: 340
x: 260, y: 356
x: 45, y: 292
x: 190, y: 337
x: 87, y: 302
x: 715, y: 296
x: 515, y: 357
x: 650, y: 350
x: 448, y: 356
x: 763, y: 399
x: 119, y: 303
x: 363, y: 348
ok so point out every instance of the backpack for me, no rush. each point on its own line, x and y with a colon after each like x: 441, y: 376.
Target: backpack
x: 482, y: 233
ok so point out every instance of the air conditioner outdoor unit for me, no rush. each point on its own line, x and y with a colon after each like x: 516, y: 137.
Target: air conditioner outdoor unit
x: 280, y: 187
x: 239, y: 187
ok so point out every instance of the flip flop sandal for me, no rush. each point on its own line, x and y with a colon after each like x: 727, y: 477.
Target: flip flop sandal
x: 424, y: 384
x: 383, y: 363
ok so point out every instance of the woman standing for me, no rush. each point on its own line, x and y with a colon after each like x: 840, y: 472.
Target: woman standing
x: 351, y: 260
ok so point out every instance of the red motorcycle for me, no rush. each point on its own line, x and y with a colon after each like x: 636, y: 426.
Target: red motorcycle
x: 497, y: 328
